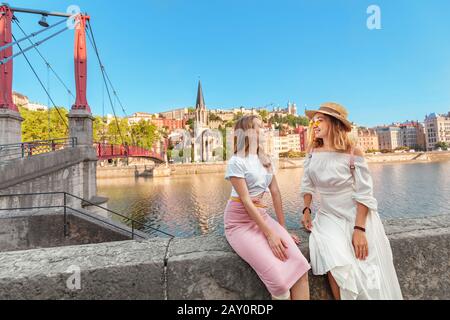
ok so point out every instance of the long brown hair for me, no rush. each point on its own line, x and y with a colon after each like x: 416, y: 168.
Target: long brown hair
x: 339, y: 137
x: 242, y: 136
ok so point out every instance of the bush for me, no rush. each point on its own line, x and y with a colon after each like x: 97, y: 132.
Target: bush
x: 293, y: 154
x: 296, y: 154
x: 443, y: 145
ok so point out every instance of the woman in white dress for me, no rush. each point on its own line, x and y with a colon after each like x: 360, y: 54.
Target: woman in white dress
x: 348, y: 241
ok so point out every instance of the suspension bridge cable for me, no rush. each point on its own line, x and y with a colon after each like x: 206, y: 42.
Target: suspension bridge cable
x: 48, y: 103
x: 106, y: 74
x: 115, y: 93
x: 22, y: 51
x: 30, y: 35
x: 45, y: 60
x: 42, y: 85
x: 102, y: 68
x: 90, y: 36
x: 104, y: 120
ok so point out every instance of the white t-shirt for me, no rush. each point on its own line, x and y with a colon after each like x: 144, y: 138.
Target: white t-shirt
x: 250, y: 167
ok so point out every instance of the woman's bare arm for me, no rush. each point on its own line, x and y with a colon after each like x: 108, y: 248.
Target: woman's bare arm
x: 277, y: 245
x: 277, y: 202
x: 306, y: 218
x: 278, y: 205
x: 361, y: 215
x: 307, y: 199
x: 359, y: 240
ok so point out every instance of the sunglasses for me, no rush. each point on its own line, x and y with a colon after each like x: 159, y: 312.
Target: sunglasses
x: 314, y: 123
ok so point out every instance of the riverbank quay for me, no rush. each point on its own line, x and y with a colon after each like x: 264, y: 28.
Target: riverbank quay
x: 205, y: 267
x: 181, y: 169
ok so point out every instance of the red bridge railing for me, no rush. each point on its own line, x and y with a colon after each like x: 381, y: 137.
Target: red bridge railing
x: 110, y: 151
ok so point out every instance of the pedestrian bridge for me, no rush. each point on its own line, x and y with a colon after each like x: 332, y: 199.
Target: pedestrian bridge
x: 114, y: 151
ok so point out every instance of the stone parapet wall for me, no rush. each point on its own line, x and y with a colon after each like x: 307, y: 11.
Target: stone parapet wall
x: 72, y: 170
x: 30, y: 229
x: 205, y: 267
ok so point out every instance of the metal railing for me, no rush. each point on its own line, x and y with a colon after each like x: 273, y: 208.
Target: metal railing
x: 109, y: 151
x: 15, y: 151
x: 135, y: 225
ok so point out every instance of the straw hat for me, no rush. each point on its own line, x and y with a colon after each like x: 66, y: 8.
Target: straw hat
x: 334, y: 110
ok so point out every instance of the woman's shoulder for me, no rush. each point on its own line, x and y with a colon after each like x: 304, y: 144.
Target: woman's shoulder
x: 357, y: 151
x: 235, y: 167
x: 236, y: 160
x: 233, y: 158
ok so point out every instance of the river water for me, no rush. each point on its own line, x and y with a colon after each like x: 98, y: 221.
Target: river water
x: 193, y: 205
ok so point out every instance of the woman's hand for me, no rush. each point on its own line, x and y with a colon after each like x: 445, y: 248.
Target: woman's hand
x: 278, y: 246
x: 306, y: 220
x: 293, y: 235
x: 295, y: 238
x: 360, y: 244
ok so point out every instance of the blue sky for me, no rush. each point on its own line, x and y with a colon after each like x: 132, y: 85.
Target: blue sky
x: 255, y: 53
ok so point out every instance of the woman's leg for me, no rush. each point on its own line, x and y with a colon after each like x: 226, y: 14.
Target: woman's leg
x: 300, y: 290
x: 334, y: 287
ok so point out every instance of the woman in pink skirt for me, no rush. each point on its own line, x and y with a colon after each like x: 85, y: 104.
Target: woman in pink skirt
x: 262, y: 242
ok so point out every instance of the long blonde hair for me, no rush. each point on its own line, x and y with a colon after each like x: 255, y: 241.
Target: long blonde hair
x: 242, y: 128
x: 339, y: 137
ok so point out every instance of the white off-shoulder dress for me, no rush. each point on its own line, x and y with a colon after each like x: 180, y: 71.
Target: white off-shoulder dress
x: 330, y: 242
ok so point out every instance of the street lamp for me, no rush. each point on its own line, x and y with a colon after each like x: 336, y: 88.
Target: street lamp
x: 43, y: 21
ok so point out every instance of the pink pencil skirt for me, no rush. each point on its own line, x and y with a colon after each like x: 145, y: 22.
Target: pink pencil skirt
x: 246, y: 238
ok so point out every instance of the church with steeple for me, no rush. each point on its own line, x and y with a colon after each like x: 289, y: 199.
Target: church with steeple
x: 206, y: 141
x: 201, y: 114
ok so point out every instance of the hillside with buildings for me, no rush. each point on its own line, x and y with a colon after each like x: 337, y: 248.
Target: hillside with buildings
x: 198, y: 134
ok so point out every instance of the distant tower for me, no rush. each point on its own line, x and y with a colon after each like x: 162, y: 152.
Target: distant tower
x: 292, y: 108
x: 201, y: 114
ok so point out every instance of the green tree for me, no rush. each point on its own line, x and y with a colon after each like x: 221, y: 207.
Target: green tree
x: 117, y: 130
x: 264, y: 115
x: 190, y: 123
x: 99, y: 129
x: 144, y: 134
x: 223, y: 131
x: 43, y: 125
x: 290, y: 119
x: 229, y: 124
x: 214, y: 117
x: 441, y: 144
x: 237, y: 116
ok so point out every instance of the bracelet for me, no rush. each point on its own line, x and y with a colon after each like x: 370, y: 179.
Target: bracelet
x: 305, y: 209
x: 359, y: 228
